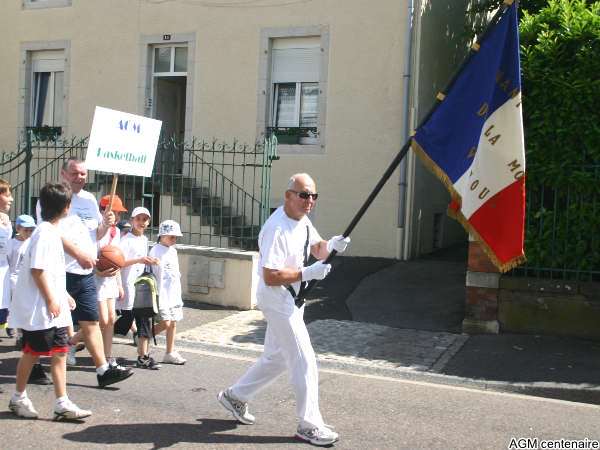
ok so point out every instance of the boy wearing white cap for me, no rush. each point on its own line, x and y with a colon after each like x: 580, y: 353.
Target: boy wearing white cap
x: 170, y: 309
x: 134, y: 246
x: 16, y: 249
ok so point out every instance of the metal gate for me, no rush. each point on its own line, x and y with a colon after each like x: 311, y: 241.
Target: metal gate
x: 218, y: 192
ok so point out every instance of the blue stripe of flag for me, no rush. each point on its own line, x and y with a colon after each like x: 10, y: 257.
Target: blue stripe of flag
x: 454, y: 128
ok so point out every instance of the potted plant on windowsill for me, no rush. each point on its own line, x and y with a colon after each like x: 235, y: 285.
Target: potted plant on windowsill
x: 45, y: 133
x: 287, y: 135
x: 308, y: 136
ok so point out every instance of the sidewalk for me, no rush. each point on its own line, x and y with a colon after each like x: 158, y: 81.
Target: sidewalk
x: 406, y: 322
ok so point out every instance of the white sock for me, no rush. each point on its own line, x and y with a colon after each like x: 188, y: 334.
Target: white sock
x: 19, y: 396
x: 62, y: 400
x: 103, y: 368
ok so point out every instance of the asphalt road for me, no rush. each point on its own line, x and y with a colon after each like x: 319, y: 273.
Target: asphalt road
x: 176, y: 408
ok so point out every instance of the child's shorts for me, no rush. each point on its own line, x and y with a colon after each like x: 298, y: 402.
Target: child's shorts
x: 46, y: 342
x: 174, y: 313
x: 144, y: 326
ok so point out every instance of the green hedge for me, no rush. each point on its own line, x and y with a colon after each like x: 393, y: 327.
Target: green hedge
x: 560, y: 59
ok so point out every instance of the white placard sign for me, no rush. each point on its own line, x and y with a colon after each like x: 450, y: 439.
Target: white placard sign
x: 122, y: 143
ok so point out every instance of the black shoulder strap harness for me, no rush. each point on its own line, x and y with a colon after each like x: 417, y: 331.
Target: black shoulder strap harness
x: 299, y: 298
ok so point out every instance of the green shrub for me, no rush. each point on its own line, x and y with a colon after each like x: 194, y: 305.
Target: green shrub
x: 560, y: 61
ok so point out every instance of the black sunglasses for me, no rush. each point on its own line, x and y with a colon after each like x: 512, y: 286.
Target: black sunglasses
x: 305, y: 195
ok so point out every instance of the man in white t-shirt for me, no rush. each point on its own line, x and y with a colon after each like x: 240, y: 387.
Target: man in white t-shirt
x: 80, y: 231
x: 285, y: 242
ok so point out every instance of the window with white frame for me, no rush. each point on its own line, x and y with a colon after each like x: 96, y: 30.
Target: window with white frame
x: 295, y: 89
x: 47, y: 88
x: 170, y: 60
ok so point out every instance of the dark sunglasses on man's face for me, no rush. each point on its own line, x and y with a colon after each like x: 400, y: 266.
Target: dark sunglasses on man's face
x: 305, y: 195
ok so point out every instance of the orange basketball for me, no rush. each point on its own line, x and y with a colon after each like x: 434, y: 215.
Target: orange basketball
x: 110, y: 256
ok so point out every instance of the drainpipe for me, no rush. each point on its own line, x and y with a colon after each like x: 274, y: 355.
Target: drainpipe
x: 403, y: 197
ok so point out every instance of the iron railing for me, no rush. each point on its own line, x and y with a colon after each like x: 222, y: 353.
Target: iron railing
x: 218, y: 192
x: 562, y: 237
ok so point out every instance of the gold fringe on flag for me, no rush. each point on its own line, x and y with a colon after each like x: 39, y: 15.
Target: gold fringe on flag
x: 457, y: 215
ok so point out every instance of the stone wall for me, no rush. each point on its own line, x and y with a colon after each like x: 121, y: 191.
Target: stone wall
x: 527, y: 305
x: 218, y: 276
x: 500, y: 303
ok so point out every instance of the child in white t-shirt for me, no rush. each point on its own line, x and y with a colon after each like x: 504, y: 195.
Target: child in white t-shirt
x: 17, y: 246
x: 14, y: 253
x: 6, y: 231
x: 108, y: 282
x: 134, y: 246
x: 168, y: 277
x: 42, y: 307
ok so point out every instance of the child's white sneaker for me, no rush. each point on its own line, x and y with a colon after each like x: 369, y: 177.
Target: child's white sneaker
x: 174, y: 358
x: 70, y: 411
x: 23, y: 408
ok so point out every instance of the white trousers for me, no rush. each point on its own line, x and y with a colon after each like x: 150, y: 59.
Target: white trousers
x: 287, y: 346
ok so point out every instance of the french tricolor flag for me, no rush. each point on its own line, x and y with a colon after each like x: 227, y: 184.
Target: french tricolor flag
x: 473, y: 141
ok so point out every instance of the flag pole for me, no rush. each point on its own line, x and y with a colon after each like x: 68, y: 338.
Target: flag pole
x: 404, y: 150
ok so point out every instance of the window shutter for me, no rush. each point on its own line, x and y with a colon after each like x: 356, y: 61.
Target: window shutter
x: 290, y: 65
x: 48, y: 61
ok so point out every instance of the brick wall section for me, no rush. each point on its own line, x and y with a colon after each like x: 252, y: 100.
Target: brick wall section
x: 482, y: 303
x: 478, y: 260
x: 481, y: 309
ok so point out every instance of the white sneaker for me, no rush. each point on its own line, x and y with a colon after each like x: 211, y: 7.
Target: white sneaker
x: 174, y: 358
x: 317, y: 436
x: 69, y: 411
x: 236, y: 407
x: 23, y: 408
x: 71, y: 360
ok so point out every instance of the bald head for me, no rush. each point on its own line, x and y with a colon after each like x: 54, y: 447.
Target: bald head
x: 299, y: 180
x: 297, y: 203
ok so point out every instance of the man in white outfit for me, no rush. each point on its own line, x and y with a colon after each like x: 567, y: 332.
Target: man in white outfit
x: 284, y: 243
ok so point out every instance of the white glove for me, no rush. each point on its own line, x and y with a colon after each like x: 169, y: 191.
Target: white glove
x: 316, y: 271
x: 338, y: 243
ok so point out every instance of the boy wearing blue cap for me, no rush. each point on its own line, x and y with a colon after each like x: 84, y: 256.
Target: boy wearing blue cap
x: 17, y: 247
